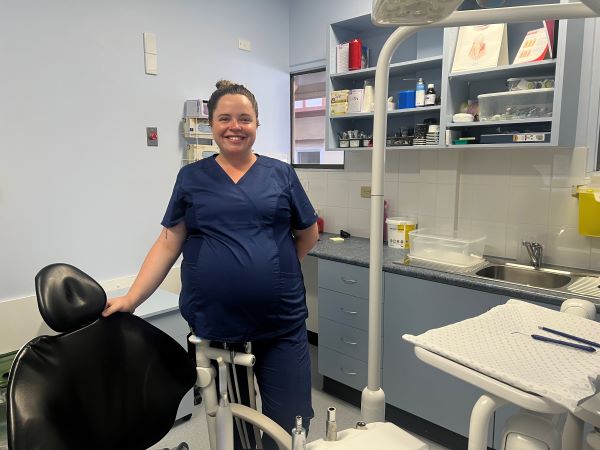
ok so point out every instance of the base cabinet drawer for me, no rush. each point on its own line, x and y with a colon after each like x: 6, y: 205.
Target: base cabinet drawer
x: 344, y: 339
x: 345, y: 278
x: 344, y: 308
x: 342, y: 368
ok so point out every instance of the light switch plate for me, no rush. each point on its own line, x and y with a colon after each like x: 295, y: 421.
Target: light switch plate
x: 365, y: 191
x: 151, y: 63
x: 150, y: 43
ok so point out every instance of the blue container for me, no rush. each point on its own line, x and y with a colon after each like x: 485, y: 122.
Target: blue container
x: 406, y: 99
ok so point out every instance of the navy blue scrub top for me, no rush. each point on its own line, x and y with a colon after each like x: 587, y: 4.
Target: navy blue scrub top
x: 240, y: 275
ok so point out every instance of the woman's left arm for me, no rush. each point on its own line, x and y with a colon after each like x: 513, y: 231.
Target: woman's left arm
x: 305, y: 240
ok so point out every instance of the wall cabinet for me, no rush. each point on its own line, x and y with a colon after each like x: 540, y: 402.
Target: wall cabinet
x: 429, y: 55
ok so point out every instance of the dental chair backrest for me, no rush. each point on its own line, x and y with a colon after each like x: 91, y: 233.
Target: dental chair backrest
x: 103, y: 383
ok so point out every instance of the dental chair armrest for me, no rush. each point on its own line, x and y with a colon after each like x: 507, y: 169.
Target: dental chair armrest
x: 279, y: 435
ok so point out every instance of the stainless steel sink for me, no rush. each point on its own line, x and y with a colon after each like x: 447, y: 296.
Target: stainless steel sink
x: 542, y: 278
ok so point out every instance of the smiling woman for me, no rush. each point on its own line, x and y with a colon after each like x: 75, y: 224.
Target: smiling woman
x: 243, y: 223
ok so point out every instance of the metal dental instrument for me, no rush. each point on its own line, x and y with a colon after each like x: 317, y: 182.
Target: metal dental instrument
x: 570, y: 336
x: 587, y: 348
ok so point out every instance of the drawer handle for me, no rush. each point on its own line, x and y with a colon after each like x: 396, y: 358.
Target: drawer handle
x: 349, y: 280
x: 346, y: 372
x: 350, y: 313
x: 348, y: 342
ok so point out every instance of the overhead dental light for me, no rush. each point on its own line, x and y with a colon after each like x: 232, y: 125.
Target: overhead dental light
x: 412, y: 12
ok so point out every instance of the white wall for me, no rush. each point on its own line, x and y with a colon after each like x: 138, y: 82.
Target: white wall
x: 308, y: 28
x: 77, y: 182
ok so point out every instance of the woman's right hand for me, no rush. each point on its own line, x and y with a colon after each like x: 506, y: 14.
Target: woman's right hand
x: 123, y: 303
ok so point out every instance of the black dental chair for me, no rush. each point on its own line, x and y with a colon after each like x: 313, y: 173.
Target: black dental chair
x: 103, y: 383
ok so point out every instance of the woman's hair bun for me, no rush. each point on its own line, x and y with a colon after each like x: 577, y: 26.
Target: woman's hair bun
x: 223, y: 84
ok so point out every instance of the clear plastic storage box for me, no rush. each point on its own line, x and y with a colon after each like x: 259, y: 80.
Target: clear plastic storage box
x: 446, y: 247
x: 526, y: 83
x: 516, y: 105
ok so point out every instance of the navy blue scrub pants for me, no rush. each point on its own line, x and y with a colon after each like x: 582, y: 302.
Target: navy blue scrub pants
x: 283, y: 375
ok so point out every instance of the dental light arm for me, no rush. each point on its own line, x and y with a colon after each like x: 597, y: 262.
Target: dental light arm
x: 416, y: 15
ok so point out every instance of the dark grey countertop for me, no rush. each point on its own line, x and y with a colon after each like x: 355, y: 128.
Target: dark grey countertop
x: 355, y: 250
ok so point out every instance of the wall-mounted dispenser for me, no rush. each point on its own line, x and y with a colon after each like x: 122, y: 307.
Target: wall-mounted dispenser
x: 589, y: 206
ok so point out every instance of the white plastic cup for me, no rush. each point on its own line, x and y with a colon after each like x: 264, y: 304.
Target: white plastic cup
x: 398, y: 229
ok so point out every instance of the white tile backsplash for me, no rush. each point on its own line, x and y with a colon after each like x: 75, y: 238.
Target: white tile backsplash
x: 359, y: 222
x: 428, y: 165
x: 337, y: 190
x: 531, y: 168
x: 427, y: 199
x: 483, y: 166
x: 445, y: 202
x: 335, y: 219
x: 409, y: 169
x: 510, y: 195
x: 408, y: 199
x: 487, y: 202
x: 528, y: 204
x: 355, y: 200
x: 569, y: 166
x: 564, y: 208
x: 566, y: 247
x: 495, y: 233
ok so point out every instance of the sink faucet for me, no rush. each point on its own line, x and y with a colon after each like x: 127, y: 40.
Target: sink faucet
x: 536, y: 253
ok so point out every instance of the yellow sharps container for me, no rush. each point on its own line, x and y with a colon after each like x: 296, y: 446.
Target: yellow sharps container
x: 589, y: 209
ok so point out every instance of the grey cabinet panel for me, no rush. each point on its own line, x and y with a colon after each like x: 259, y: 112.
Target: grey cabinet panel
x: 344, y: 308
x: 415, y: 306
x: 342, y: 368
x: 344, y: 339
x: 345, y: 278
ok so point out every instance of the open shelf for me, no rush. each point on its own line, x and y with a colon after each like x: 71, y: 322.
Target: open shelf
x: 546, y: 67
x: 504, y: 146
x: 396, y: 112
x: 395, y: 69
x: 497, y: 123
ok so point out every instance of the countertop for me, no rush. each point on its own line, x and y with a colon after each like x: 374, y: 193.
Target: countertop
x: 355, y: 250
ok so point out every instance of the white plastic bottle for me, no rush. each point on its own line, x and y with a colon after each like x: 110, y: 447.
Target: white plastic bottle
x: 420, y: 93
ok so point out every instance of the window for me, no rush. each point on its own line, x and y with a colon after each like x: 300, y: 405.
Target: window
x: 308, y: 108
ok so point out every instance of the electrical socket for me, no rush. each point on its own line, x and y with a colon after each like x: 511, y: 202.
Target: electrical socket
x: 365, y: 191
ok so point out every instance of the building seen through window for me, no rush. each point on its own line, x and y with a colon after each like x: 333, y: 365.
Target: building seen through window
x: 309, y: 107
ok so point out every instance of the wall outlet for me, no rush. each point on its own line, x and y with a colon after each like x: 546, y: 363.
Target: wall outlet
x: 365, y: 191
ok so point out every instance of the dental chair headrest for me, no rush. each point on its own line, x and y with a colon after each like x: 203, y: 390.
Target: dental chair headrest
x: 67, y: 297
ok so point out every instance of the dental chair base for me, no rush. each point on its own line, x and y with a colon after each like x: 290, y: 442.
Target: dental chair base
x: 379, y: 435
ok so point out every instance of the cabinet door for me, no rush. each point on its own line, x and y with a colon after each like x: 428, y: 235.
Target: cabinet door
x: 414, y: 306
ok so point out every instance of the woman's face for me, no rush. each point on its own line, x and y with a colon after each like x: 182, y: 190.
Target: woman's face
x: 234, y: 124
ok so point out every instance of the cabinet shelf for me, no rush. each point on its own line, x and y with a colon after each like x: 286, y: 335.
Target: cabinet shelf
x: 396, y: 112
x: 394, y: 147
x: 504, y: 146
x: 546, y: 67
x: 395, y: 69
x: 496, y: 123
